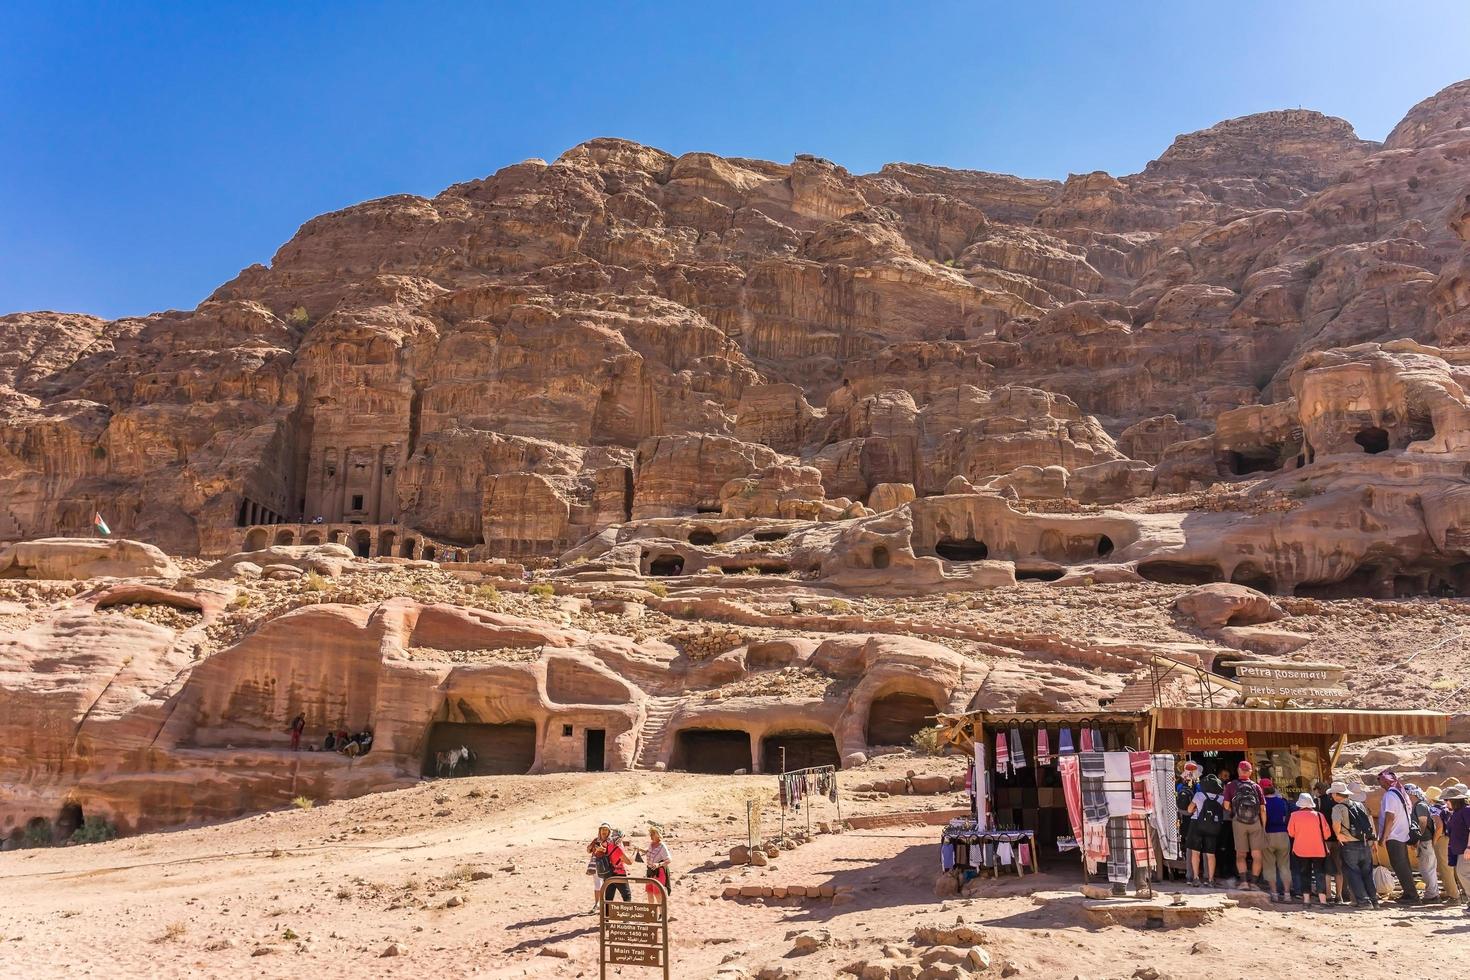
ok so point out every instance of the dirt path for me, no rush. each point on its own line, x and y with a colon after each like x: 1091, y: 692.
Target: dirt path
x: 327, y: 891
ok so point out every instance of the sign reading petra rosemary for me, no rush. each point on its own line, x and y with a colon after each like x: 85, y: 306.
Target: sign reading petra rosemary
x: 1288, y: 679
x: 635, y: 933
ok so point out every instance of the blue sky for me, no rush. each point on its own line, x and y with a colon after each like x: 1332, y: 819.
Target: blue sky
x: 151, y: 151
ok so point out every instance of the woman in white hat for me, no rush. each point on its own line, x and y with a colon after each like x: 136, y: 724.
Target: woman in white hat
x: 1308, y: 831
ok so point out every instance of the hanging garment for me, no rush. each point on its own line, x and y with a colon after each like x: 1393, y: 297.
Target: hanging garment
x: 1002, y: 754
x: 1004, y: 853
x: 982, y: 798
x: 1094, y: 801
x: 1141, y: 767
x: 1025, y: 856
x: 1143, y: 848
x: 1118, y: 785
x: 1099, y: 744
x: 1095, y: 845
x: 1043, y: 747
x: 1064, y: 742
x: 1120, y: 851
x: 1166, y: 808
x: 1071, y: 791
x: 781, y: 782
x: 1087, y: 745
x: 1018, y: 750
x: 946, y: 856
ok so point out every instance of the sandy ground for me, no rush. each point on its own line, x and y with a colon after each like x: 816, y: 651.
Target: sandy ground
x: 324, y: 892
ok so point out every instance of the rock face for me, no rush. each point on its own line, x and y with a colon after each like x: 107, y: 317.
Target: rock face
x: 527, y: 359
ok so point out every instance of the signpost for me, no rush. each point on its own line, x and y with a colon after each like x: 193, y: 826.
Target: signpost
x: 634, y: 933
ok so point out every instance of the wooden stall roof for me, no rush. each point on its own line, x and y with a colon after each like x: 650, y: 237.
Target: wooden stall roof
x: 1355, y: 723
x: 959, y: 729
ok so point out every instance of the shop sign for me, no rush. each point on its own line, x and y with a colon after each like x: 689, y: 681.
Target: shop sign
x: 1269, y: 679
x: 1218, y: 739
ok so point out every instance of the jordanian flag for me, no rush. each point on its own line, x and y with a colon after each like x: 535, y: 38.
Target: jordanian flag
x: 100, y: 524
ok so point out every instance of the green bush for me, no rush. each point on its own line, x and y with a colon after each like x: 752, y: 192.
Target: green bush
x: 487, y: 593
x: 38, y: 833
x: 94, y: 830
x: 303, y: 803
x: 543, y: 590
x: 926, y: 741
x: 657, y: 588
x: 299, y: 317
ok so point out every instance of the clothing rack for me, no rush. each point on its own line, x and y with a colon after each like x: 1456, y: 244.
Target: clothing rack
x: 810, y: 771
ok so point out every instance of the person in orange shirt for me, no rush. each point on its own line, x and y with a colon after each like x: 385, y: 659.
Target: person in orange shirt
x: 1308, y: 831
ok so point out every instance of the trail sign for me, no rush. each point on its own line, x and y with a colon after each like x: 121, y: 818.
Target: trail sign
x: 634, y: 933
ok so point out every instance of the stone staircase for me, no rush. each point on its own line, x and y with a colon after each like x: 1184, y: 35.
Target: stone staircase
x: 654, y: 731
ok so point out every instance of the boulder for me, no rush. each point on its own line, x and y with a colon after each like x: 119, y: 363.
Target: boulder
x: 1221, y: 604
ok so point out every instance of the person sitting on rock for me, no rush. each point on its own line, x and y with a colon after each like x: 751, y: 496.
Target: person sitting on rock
x: 330, y: 742
x: 364, y: 741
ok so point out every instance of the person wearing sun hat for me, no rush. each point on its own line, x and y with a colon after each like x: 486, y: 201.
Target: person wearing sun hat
x: 1439, y: 818
x: 1458, y: 798
x: 1354, y: 829
x: 1308, y: 831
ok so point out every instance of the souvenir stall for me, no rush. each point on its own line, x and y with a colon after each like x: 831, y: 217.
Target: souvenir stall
x: 800, y: 789
x: 1057, y: 783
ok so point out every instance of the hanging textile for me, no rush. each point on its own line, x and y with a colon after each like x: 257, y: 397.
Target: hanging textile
x: 1072, y: 791
x: 1165, y: 813
x: 1099, y: 744
x: 1018, y: 750
x: 982, y: 801
x: 1043, y: 747
x: 1118, y: 783
x: 1087, y: 745
x: 1064, y: 742
x: 1120, y: 851
x: 1002, y: 755
x: 1094, y: 802
x: 1143, y: 849
x: 1141, y: 769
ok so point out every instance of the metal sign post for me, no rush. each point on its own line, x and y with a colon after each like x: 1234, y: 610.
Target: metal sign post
x: 633, y: 933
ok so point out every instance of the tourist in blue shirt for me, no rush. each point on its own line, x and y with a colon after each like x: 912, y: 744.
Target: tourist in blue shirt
x: 1277, y: 853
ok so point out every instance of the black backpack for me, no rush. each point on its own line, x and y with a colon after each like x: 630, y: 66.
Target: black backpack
x: 1245, y: 802
x: 1359, y: 821
x: 1211, y: 812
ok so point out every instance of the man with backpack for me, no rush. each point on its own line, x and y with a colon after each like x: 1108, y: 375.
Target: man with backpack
x: 1206, y: 817
x: 1245, y: 801
x: 1439, y: 813
x: 1397, y: 831
x: 1354, y: 830
x: 1427, y: 827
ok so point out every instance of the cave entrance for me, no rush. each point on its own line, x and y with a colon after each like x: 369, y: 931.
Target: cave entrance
x: 1104, y: 546
x: 1373, y: 440
x: 803, y: 750
x: 666, y: 565
x: 1363, y: 583
x: 966, y: 550
x: 495, y: 750
x: 1180, y: 572
x: 1038, y: 574
x: 386, y: 541
x: 881, y: 557
x: 69, y: 820
x: 1252, y: 577
x: 362, y: 544
x: 770, y: 535
x: 702, y: 537
x: 430, y: 552
x: 312, y: 537
x: 257, y: 539
x: 895, y: 719
x: 718, y: 751
x: 1258, y: 459
x: 405, y: 550
x: 285, y: 537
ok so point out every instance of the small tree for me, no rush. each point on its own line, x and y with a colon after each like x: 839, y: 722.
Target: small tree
x: 299, y: 317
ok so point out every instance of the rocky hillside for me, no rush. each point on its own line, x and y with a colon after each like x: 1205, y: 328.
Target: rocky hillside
x: 622, y: 334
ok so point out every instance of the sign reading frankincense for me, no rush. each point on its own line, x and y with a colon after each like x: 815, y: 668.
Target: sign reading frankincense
x: 635, y: 933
